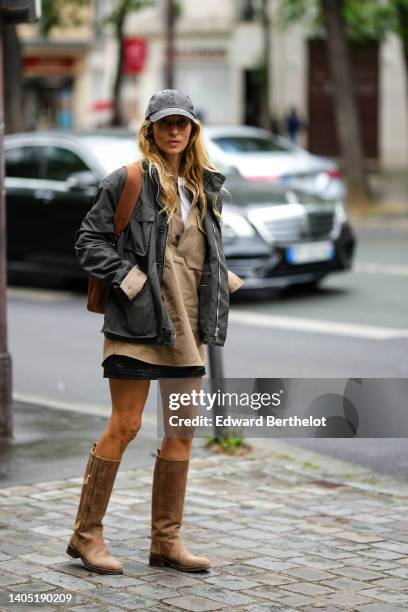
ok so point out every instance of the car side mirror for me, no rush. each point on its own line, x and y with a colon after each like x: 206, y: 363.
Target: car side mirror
x: 82, y: 181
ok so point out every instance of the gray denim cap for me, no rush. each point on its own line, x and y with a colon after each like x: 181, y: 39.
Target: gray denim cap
x: 169, y: 102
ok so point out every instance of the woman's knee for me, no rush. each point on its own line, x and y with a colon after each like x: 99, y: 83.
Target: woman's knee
x: 128, y: 401
x: 125, y: 429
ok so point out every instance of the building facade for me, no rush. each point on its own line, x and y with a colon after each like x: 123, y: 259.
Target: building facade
x: 219, y: 48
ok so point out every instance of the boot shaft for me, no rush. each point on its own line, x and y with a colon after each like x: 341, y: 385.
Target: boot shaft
x: 87, y: 541
x: 99, y: 478
x: 168, y: 494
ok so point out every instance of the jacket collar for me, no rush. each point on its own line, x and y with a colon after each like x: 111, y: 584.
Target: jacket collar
x: 213, y: 180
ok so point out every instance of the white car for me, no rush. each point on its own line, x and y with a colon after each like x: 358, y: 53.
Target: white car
x: 259, y: 155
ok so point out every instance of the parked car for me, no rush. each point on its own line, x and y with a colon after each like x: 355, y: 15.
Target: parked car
x: 273, y: 236
x: 259, y: 156
x: 277, y: 237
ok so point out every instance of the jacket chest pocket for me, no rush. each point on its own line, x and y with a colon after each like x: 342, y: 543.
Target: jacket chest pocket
x: 139, y: 234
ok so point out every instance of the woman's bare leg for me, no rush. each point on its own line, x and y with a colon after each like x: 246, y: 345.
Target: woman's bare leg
x: 128, y: 401
x: 176, y: 444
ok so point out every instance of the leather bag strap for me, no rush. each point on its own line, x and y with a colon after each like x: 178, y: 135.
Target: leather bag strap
x: 128, y: 198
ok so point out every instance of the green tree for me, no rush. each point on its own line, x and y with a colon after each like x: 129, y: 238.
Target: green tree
x: 60, y: 14
x: 346, y: 112
x: 364, y: 19
x: 335, y: 19
x: 264, y: 71
x: 117, y: 19
x: 399, y: 22
x: 361, y: 20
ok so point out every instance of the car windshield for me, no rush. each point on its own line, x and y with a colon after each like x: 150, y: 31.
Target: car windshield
x: 248, y: 144
x: 113, y: 152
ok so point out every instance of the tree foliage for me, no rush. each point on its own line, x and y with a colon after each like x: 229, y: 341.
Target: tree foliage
x: 61, y: 14
x: 364, y: 19
x: 401, y: 19
x: 123, y: 8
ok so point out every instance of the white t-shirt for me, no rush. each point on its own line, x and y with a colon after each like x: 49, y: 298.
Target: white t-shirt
x: 184, y: 198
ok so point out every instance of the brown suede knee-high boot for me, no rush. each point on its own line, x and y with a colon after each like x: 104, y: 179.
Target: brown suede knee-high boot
x: 87, y: 541
x: 167, y: 547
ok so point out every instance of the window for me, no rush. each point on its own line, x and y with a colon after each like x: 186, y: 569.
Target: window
x: 60, y: 163
x: 247, y: 144
x: 24, y: 162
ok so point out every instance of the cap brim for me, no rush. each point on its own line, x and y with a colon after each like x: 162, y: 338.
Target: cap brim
x: 165, y: 112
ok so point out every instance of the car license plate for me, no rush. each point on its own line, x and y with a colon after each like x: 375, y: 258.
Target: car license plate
x: 310, y: 251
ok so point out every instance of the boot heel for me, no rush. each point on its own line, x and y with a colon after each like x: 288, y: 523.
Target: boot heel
x: 156, y: 561
x: 72, y: 552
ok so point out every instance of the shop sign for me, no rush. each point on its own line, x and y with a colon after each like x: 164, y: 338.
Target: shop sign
x: 48, y: 65
x: 134, y: 55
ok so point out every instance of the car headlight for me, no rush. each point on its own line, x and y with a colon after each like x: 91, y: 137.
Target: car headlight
x: 236, y: 225
x: 340, y: 212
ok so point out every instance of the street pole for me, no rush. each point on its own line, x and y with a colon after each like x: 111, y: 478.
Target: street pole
x: 266, y: 33
x: 169, y: 60
x: 11, y: 11
x: 217, y: 385
x: 6, y: 425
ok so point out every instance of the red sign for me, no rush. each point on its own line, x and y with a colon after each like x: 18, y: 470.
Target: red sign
x: 102, y: 105
x: 134, y: 55
x: 44, y: 65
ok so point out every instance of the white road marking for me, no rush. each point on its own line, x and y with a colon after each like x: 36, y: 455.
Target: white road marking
x: 40, y: 295
x: 379, y: 268
x: 82, y: 407
x: 316, y: 326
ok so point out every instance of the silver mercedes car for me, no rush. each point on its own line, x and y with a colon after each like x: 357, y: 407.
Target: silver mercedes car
x: 260, y: 156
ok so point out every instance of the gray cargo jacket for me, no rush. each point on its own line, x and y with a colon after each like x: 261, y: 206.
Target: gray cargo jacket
x: 133, y: 267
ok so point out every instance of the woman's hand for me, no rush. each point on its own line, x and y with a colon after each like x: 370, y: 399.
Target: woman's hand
x: 234, y: 281
x: 133, y: 282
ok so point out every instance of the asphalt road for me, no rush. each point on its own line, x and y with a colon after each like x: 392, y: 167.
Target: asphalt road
x: 355, y: 325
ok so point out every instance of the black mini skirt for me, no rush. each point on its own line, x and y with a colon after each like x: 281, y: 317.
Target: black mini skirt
x: 130, y: 368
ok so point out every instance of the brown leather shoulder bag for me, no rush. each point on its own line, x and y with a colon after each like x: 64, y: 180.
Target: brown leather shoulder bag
x: 98, y: 289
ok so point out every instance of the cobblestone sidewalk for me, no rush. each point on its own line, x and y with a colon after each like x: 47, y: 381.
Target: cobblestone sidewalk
x: 285, y: 529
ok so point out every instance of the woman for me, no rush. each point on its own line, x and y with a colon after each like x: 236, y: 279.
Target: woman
x: 168, y: 296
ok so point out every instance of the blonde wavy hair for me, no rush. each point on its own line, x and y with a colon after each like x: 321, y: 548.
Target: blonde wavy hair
x: 193, y: 161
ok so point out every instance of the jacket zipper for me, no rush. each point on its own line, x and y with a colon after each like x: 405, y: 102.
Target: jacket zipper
x: 219, y: 282
x: 168, y: 333
x: 90, y: 479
